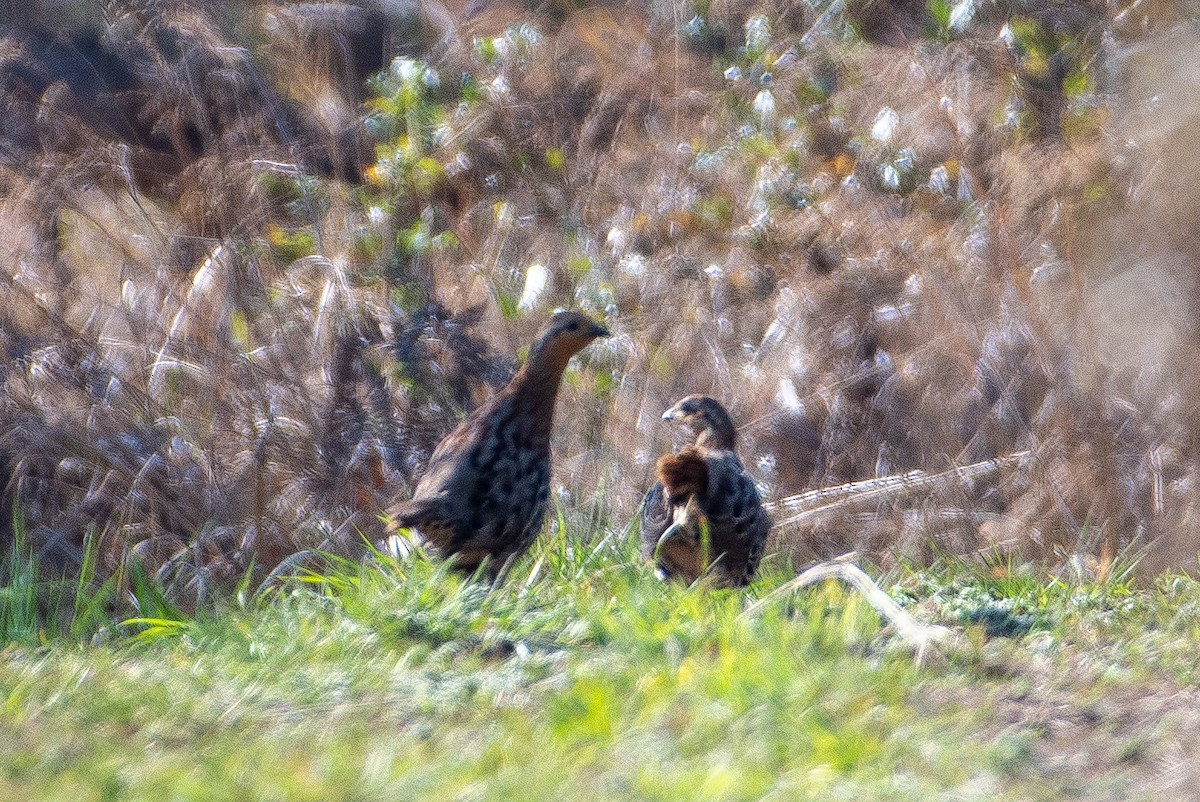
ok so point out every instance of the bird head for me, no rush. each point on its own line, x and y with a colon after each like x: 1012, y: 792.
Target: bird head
x: 706, y: 418
x: 567, y: 334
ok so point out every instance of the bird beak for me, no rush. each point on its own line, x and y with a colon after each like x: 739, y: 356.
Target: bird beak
x: 600, y: 331
x: 670, y: 414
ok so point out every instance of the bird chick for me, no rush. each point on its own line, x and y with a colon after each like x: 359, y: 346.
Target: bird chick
x: 483, y: 495
x: 704, y: 513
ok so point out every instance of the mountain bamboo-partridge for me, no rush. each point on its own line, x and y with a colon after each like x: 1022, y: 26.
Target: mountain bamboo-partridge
x: 704, y: 514
x: 483, y: 495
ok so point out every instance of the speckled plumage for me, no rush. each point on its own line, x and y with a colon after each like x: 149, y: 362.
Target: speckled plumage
x: 705, y: 486
x: 483, y: 495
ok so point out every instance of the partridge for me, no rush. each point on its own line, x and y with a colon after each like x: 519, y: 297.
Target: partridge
x: 483, y: 495
x: 704, y: 514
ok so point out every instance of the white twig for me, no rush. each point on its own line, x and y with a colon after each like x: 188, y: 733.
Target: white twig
x: 917, y: 635
x: 884, y: 488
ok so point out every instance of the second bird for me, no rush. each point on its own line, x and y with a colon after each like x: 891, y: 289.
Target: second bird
x: 705, y: 512
x: 483, y: 495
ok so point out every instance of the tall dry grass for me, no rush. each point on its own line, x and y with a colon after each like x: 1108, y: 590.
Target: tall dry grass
x: 890, y: 238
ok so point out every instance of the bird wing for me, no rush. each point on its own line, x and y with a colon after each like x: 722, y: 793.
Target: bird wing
x: 738, y: 524
x: 656, y: 517
x: 432, y: 509
x: 451, y: 471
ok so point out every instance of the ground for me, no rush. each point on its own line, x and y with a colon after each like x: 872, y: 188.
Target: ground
x: 585, y: 676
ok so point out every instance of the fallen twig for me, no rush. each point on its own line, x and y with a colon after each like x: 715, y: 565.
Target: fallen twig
x: 919, y: 636
x: 884, y: 488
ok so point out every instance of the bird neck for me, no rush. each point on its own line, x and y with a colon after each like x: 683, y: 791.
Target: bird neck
x: 720, y: 438
x: 535, y: 387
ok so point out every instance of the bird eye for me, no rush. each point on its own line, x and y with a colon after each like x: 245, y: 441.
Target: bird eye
x: 573, y: 325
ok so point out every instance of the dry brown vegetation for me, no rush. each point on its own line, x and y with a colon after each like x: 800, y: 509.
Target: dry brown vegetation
x: 233, y: 323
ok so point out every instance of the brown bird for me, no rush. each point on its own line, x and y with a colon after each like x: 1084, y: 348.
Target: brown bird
x: 483, y: 495
x: 705, y: 512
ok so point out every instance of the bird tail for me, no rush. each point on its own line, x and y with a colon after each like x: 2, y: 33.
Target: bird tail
x: 412, y: 514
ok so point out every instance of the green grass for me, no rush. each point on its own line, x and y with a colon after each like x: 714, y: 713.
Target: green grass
x: 37, y: 607
x: 584, y: 677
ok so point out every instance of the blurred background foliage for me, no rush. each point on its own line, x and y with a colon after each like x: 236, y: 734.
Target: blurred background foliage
x: 259, y: 257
